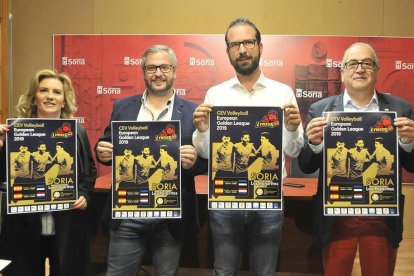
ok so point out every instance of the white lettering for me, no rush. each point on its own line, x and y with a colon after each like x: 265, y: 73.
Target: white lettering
x: 73, y: 61
x: 201, y: 62
x: 108, y: 90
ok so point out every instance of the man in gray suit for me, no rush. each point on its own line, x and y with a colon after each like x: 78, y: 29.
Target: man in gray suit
x: 377, y: 238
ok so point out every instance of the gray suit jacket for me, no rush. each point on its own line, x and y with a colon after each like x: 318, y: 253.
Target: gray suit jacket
x: 309, y: 162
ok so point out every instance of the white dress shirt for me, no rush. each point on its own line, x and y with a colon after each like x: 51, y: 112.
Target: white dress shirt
x: 266, y: 92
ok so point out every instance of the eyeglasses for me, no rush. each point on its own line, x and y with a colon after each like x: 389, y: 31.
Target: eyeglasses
x: 165, y: 68
x: 248, y: 44
x: 366, y: 64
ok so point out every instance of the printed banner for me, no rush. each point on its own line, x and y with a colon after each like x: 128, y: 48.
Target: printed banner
x: 146, y: 169
x: 105, y: 68
x: 245, y: 164
x: 42, y: 165
x: 361, y: 164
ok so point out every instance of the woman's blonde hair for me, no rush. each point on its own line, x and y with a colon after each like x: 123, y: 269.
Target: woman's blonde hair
x: 26, y: 107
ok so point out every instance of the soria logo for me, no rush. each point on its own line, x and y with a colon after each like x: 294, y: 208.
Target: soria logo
x: 202, y: 62
x: 271, y: 63
x: 333, y: 63
x: 308, y: 94
x: 73, y: 61
x: 132, y: 61
x: 108, y: 90
x: 400, y: 65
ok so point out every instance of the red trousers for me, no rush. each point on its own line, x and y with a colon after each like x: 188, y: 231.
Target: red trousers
x: 369, y: 236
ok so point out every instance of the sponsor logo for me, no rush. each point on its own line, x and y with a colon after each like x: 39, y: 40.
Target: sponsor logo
x: 180, y: 91
x: 108, y: 90
x: 73, y: 61
x: 382, y: 126
x: 400, y: 65
x: 132, y: 61
x: 333, y: 63
x: 202, y: 62
x: 271, y: 63
x: 269, y: 120
x: 168, y: 134
x: 64, y: 131
x: 308, y: 94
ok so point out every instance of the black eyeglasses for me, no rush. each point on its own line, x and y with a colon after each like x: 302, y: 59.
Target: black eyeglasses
x: 248, y: 44
x: 367, y: 64
x: 165, y: 68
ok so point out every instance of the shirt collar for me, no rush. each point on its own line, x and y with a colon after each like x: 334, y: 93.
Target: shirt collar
x: 170, y: 101
x: 348, y: 100
x: 261, y: 81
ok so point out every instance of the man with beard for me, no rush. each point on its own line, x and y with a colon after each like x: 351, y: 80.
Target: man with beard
x: 22, y: 166
x: 243, y: 150
x: 144, y: 162
x: 231, y: 228
x: 224, y: 157
x: 159, y: 102
x: 338, y: 168
x: 357, y: 157
x: 126, y: 168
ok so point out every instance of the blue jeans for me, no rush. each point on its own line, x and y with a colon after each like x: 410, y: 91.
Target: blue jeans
x: 262, y: 231
x: 127, y: 247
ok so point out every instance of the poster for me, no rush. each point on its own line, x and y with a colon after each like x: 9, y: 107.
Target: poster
x: 146, y: 169
x: 245, y: 162
x: 42, y: 165
x: 361, y: 172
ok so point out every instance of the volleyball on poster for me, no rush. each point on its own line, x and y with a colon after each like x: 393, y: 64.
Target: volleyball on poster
x: 42, y: 165
x: 245, y: 161
x: 361, y: 164
x: 146, y: 169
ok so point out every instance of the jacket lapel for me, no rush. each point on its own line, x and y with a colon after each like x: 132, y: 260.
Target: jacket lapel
x: 382, y: 102
x: 177, y: 109
x: 132, y: 110
x: 338, y: 104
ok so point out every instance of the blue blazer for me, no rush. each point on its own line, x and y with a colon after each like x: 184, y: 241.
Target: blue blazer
x: 309, y: 162
x: 127, y: 109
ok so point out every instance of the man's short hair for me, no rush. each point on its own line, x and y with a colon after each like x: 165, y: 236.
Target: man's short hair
x: 265, y: 134
x: 60, y: 144
x: 346, y: 54
x: 244, y: 21
x: 156, y: 49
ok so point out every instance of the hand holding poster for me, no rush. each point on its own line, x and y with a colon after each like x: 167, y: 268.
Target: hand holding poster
x: 245, y: 158
x: 361, y: 164
x: 42, y: 166
x: 146, y: 170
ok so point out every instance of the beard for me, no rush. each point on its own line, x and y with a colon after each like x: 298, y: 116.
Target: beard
x: 245, y: 70
x: 161, y: 91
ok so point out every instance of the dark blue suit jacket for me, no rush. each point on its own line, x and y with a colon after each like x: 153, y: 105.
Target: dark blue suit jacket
x: 127, y: 109
x: 309, y: 162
